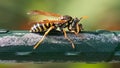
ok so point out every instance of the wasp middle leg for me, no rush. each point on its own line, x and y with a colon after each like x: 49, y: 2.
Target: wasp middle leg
x: 65, y: 35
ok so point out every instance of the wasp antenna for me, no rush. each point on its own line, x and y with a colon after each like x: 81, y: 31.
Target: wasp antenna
x: 84, y: 17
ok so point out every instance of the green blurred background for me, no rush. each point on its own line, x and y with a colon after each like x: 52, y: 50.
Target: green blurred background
x: 103, y: 14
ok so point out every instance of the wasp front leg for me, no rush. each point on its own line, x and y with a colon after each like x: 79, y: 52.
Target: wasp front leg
x: 79, y: 28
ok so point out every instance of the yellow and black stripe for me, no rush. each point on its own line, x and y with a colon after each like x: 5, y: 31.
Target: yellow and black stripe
x: 41, y: 27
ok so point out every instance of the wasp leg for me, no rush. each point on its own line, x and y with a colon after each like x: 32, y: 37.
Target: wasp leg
x: 65, y: 35
x: 52, y: 27
x: 78, y: 29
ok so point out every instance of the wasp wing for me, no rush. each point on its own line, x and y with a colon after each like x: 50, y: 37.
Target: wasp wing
x: 53, y: 21
x: 39, y: 12
x: 48, y: 21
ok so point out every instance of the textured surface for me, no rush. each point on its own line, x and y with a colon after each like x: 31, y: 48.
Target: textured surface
x: 95, y: 46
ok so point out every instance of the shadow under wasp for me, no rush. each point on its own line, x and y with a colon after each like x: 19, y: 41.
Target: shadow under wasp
x: 63, y: 22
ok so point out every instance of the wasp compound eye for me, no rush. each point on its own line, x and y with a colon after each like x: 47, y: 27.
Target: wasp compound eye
x: 76, y: 20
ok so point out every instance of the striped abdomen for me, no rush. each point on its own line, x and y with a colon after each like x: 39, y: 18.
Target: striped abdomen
x: 41, y: 27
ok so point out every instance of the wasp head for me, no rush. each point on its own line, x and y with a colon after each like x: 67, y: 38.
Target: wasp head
x: 76, y: 26
x: 66, y: 17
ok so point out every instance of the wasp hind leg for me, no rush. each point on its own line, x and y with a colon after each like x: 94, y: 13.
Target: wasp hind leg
x: 65, y: 35
x: 39, y: 42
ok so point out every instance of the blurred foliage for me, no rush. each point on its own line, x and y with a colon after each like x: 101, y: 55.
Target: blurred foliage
x: 103, y: 14
x: 55, y: 65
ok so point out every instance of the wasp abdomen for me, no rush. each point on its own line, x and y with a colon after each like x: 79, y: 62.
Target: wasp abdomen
x: 41, y: 27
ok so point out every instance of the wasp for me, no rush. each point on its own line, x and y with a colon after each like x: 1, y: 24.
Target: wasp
x: 63, y: 22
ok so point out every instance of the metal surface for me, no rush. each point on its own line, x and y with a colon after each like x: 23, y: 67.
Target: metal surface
x: 91, y: 46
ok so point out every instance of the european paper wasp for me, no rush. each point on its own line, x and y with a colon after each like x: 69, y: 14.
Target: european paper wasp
x: 63, y: 22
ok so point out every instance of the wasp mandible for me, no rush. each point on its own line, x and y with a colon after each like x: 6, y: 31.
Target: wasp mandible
x: 63, y: 22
